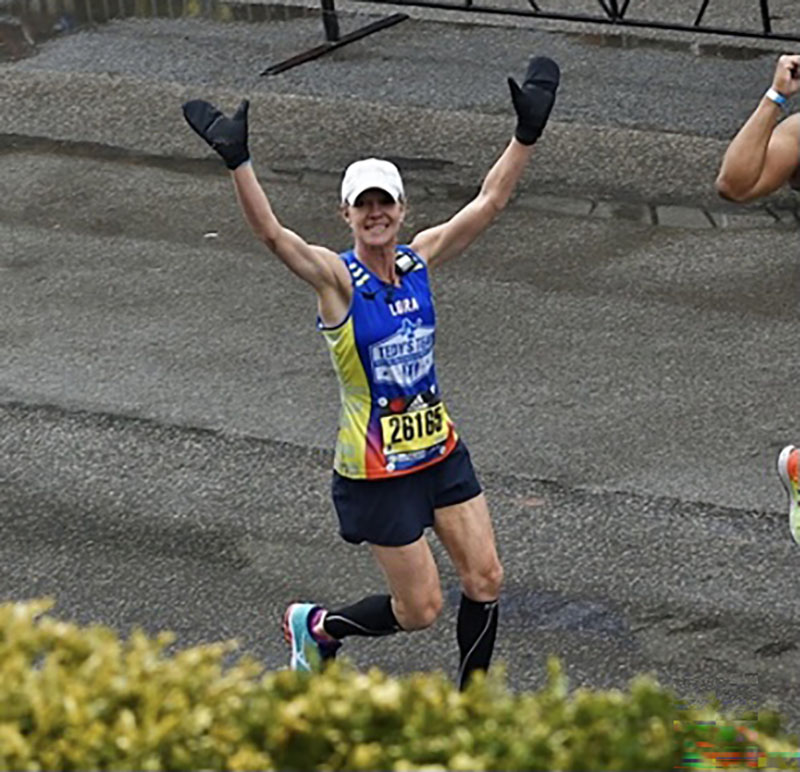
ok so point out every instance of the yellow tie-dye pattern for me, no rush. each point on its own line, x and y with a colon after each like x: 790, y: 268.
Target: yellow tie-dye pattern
x: 356, y: 400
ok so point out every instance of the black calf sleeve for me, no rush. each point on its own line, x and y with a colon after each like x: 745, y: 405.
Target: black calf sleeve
x: 371, y: 616
x: 476, y: 630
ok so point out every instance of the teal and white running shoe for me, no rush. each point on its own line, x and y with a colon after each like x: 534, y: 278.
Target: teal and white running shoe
x: 308, y: 653
x: 788, y: 472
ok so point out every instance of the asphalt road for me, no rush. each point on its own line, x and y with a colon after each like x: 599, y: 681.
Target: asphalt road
x: 624, y: 385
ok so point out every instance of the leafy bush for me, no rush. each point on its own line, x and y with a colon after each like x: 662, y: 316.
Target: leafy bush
x: 74, y: 698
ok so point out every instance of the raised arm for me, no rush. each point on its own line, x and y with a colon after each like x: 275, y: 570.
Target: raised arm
x: 318, y: 266
x: 764, y: 154
x: 532, y: 103
x: 314, y: 264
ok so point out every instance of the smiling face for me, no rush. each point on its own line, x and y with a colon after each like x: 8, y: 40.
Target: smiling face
x: 375, y: 218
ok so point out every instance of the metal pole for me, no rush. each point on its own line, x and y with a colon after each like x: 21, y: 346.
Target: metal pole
x: 604, y: 7
x: 765, y: 17
x: 326, y: 47
x: 610, y: 11
x: 701, y: 13
x: 330, y: 21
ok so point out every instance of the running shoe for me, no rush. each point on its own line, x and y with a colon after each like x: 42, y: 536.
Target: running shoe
x: 308, y: 653
x: 788, y: 472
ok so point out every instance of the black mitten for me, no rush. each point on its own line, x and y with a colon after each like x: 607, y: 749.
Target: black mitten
x: 228, y: 136
x: 534, y: 100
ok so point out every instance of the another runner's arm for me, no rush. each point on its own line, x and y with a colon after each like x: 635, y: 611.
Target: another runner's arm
x: 762, y: 157
x: 764, y: 154
x: 532, y: 102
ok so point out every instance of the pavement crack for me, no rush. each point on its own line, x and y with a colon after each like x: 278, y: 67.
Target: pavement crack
x: 700, y: 625
x: 649, y: 621
x: 775, y: 648
x: 97, y: 151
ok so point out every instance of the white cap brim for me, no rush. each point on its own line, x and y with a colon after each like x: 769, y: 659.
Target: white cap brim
x: 369, y: 174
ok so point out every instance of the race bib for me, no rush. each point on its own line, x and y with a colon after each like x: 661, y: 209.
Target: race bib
x: 415, y: 430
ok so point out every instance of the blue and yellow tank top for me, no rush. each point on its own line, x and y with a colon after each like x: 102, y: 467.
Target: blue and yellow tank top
x: 392, y: 418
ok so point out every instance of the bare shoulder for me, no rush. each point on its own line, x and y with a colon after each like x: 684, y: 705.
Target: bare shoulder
x: 339, y: 278
x: 423, y: 242
x: 786, y: 137
x: 327, y: 255
x: 792, y: 120
x: 784, y: 150
x: 335, y: 268
x: 789, y: 128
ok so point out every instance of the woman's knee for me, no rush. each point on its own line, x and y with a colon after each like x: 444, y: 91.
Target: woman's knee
x: 485, y: 583
x: 418, y: 613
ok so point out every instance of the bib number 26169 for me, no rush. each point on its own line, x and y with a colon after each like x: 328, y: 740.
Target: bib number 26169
x: 417, y: 430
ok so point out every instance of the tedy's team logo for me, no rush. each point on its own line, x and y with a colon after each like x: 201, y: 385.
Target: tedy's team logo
x: 404, y: 357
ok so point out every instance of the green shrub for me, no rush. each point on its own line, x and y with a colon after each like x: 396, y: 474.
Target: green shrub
x: 74, y: 698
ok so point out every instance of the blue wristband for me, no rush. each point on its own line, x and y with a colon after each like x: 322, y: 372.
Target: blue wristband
x: 776, y: 96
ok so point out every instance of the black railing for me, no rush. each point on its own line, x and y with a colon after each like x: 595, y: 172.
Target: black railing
x: 614, y: 12
x: 24, y: 22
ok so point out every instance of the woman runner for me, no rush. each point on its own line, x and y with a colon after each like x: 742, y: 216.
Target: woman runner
x: 399, y: 466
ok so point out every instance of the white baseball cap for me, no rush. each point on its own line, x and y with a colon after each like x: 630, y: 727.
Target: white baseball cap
x: 371, y: 173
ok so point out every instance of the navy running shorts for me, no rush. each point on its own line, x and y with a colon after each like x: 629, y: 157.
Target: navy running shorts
x: 395, y: 511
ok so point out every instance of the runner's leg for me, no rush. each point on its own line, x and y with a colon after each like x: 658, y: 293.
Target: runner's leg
x: 466, y: 532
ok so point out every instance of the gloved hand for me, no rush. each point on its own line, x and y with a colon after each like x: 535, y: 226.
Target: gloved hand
x: 228, y: 136
x: 534, y: 101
